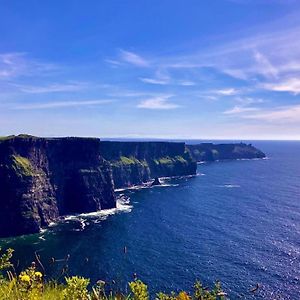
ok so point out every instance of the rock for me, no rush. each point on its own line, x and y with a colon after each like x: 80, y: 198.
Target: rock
x: 156, y: 182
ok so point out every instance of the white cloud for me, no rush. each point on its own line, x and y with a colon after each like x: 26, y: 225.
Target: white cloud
x: 284, y: 114
x: 19, y: 64
x: 248, y: 100
x: 227, y: 92
x: 133, y: 59
x: 62, y: 104
x: 270, y: 53
x: 240, y: 110
x: 155, y: 81
x: 52, y: 88
x: 113, y: 62
x: 158, y: 103
x: 291, y: 85
x: 186, y: 83
x: 264, y: 66
x: 161, y: 77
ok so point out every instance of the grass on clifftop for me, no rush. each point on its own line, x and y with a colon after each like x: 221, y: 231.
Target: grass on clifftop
x: 20, y: 136
x: 31, y: 285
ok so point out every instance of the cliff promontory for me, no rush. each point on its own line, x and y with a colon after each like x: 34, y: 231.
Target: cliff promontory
x: 213, y: 152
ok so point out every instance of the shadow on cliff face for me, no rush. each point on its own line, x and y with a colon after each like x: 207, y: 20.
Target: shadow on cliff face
x: 41, y: 179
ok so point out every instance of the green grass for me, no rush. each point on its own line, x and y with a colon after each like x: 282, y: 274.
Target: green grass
x: 22, y: 166
x: 170, y: 160
x: 21, y: 136
x: 4, y: 138
x: 30, y: 284
x: 128, y: 161
x: 215, y: 152
x: 165, y: 160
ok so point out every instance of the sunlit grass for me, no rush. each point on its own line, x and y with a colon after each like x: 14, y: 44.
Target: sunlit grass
x: 30, y: 284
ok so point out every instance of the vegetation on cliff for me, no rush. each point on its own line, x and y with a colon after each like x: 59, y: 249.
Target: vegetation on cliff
x: 21, y: 165
x: 42, y: 179
x: 128, y: 161
x: 30, y: 284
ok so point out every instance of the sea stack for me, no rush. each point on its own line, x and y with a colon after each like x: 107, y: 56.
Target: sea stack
x: 156, y: 182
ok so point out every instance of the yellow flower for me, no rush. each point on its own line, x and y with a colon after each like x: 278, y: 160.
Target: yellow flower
x: 183, y: 296
x: 38, y: 274
x: 24, y: 278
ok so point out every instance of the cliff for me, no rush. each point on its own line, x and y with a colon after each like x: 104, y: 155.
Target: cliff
x: 134, y: 163
x: 212, y: 152
x: 42, y: 179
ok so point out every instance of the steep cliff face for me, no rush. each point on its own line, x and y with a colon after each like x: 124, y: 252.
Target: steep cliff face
x: 212, y: 152
x: 134, y: 163
x: 41, y: 179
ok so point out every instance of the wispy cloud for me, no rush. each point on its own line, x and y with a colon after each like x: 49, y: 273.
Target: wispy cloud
x: 155, y: 81
x: 53, y: 88
x: 240, y: 110
x: 264, y: 66
x: 186, y: 83
x: 133, y: 59
x: 227, y: 92
x: 17, y: 64
x: 161, y: 77
x: 62, y: 104
x: 113, y: 62
x: 291, y: 85
x: 248, y: 100
x: 283, y: 114
x: 158, y: 103
x: 265, y: 59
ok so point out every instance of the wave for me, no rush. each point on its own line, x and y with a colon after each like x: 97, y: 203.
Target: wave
x: 84, y: 219
x: 122, y: 206
x: 164, y: 185
x: 163, y: 180
x: 230, y: 186
x: 257, y: 158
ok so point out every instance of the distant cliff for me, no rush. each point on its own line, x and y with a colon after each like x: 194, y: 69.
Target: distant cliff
x: 134, y: 163
x: 42, y: 179
x: 212, y: 152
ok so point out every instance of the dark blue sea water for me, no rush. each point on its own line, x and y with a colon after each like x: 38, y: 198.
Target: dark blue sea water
x: 237, y: 221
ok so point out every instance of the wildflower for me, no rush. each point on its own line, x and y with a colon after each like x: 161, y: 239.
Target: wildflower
x: 24, y: 278
x: 101, y: 282
x: 38, y: 275
x: 183, y: 296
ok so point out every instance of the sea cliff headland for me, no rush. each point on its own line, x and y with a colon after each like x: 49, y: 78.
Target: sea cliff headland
x: 42, y: 179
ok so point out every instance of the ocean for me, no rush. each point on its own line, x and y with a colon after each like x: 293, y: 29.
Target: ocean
x: 236, y: 221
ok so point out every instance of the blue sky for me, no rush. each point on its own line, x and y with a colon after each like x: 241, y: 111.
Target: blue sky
x: 217, y: 69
